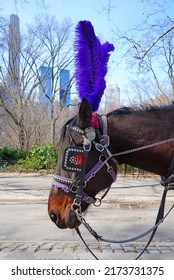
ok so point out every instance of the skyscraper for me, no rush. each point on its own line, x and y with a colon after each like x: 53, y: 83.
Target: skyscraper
x: 14, y: 51
x: 64, y: 84
x: 45, y: 86
x: 112, y: 97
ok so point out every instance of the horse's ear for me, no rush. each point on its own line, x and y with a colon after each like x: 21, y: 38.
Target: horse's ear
x: 85, y: 114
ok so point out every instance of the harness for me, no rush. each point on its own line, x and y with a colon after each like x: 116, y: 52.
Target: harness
x: 77, y: 185
x: 75, y: 159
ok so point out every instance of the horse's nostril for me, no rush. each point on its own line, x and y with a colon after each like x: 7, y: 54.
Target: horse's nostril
x: 54, y: 217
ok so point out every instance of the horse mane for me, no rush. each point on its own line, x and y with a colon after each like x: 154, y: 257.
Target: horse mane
x: 144, y: 109
x: 123, y: 111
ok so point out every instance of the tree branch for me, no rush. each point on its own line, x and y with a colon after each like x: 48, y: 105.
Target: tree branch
x: 154, y: 43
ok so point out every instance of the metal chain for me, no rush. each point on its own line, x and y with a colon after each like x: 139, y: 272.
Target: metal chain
x: 128, y: 152
x: 143, y: 147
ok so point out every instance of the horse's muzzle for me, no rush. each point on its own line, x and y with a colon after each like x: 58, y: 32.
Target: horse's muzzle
x: 70, y: 220
x: 54, y: 216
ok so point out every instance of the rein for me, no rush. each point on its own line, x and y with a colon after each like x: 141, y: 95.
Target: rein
x: 78, y: 185
x: 160, y: 218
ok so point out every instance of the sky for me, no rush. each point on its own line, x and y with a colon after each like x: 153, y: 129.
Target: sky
x: 105, y: 15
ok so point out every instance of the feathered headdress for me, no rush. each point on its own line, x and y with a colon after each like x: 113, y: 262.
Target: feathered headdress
x: 91, y: 58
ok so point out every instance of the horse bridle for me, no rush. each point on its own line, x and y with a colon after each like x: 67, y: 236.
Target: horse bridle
x: 77, y: 186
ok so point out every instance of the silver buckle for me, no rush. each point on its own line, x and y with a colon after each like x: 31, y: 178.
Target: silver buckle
x: 73, y: 188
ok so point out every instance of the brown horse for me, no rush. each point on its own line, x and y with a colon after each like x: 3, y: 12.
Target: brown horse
x: 127, y: 129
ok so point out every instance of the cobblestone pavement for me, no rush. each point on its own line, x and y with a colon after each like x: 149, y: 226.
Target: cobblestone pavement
x: 74, y: 250
x: 129, y: 209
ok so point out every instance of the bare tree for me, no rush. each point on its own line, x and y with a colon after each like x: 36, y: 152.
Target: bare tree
x: 57, y: 55
x: 19, y: 81
x: 41, y: 3
x: 19, y: 93
x: 149, y: 53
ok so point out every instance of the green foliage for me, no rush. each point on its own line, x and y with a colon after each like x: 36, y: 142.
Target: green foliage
x: 41, y: 157
x: 12, y: 155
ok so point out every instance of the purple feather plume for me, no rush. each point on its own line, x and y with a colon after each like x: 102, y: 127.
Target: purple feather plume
x: 91, y: 59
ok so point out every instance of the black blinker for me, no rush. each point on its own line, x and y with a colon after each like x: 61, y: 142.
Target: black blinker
x: 73, y: 159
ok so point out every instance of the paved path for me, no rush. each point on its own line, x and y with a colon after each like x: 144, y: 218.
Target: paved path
x: 129, y: 209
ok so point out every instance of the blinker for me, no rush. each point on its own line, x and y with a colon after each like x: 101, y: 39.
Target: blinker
x: 73, y: 159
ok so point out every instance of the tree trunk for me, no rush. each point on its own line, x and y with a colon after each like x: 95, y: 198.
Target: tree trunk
x: 22, y: 136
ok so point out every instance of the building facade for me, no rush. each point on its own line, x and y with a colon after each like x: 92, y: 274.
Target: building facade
x: 112, y: 97
x: 45, y: 86
x: 14, y: 51
x: 65, y: 93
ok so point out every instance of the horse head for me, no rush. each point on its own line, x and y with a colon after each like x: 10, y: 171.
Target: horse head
x: 84, y: 167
